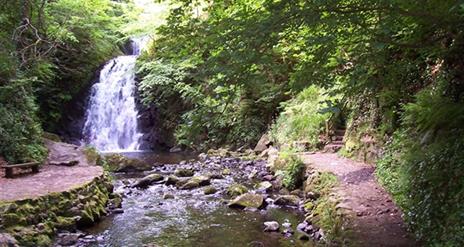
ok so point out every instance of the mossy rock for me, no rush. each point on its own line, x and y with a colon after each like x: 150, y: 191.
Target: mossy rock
x: 202, y: 180
x: 236, y: 190
x: 208, y: 190
x: 119, y: 163
x: 248, y: 200
x: 148, y: 180
x: 184, y: 172
x: 190, y: 185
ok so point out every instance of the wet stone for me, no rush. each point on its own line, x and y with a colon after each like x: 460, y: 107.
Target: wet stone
x: 271, y: 226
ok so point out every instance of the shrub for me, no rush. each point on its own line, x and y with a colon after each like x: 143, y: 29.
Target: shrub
x: 20, y: 131
x: 302, y: 118
x: 294, y: 170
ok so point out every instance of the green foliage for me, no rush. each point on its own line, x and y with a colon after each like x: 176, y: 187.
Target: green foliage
x: 48, y: 53
x: 294, y: 170
x: 423, y: 167
x: 302, y: 118
x: 20, y: 132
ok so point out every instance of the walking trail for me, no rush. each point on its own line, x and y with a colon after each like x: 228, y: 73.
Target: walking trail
x: 53, y: 176
x: 376, y: 220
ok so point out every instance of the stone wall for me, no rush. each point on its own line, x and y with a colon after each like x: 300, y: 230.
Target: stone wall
x: 34, y: 222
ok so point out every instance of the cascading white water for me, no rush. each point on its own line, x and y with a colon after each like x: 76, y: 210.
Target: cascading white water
x: 111, y: 117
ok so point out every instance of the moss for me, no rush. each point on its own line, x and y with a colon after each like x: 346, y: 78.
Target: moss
x: 65, y: 223
x: 43, y: 240
x: 33, y: 221
x: 236, y: 190
x: 12, y: 219
x: 322, y: 210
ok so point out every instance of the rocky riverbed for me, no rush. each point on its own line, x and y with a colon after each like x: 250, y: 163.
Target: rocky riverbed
x: 207, y: 201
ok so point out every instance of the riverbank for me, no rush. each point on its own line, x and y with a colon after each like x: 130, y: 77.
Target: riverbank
x: 35, y: 207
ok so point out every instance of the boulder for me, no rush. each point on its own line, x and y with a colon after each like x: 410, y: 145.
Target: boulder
x: 271, y: 226
x: 64, y: 154
x: 263, y: 143
x: 181, y: 172
x: 202, y: 180
x: 172, y: 180
x: 209, y: 190
x: 148, y: 180
x: 236, y: 190
x: 248, y: 200
x: 287, y: 200
x: 119, y: 163
x: 190, y: 185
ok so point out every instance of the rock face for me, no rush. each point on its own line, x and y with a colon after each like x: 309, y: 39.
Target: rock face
x: 148, y: 180
x: 65, y: 154
x: 263, y: 143
x: 248, y: 200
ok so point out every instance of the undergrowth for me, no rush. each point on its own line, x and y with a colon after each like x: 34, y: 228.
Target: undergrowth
x: 423, y: 168
x: 302, y: 119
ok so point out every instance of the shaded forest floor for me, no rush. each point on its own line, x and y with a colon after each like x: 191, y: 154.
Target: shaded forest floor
x: 374, y: 219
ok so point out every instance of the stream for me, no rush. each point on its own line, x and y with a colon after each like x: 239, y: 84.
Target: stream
x: 189, y: 217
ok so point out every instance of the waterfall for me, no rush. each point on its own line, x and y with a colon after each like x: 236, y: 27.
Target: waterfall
x: 111, y: 116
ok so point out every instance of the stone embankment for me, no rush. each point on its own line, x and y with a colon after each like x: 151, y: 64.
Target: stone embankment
x: 34, y: 207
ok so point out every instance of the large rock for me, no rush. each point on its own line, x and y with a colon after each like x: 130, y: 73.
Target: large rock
x: 248, y: 200
x: 60, y: 153
x: 263, y: 143
x: 288, y: 200
x: 119, y: 163
x: 148, y: 180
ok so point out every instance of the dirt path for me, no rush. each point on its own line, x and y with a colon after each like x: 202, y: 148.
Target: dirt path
x: 51, y: 178
x: 376, y: 219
